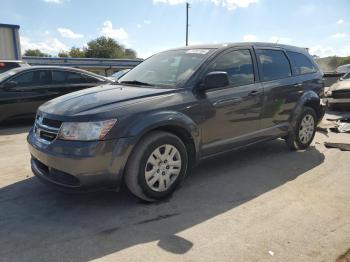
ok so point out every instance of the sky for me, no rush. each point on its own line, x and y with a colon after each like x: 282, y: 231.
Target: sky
x: 150, y: 26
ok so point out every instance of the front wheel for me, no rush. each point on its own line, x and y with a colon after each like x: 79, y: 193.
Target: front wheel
x: 304, y: 132
x: 157, y: 166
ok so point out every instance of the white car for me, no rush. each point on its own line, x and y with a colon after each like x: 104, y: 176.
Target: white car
x: 343, y: 69
x: 6, y: 65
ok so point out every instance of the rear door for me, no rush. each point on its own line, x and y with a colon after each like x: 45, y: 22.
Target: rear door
x: 236, y: 108
x: 281, y: 90
x: 65, y: 82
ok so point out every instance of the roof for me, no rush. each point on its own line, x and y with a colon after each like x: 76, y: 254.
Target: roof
x: 239, y: 44
x: 10, y: 26
x: 27, y: 68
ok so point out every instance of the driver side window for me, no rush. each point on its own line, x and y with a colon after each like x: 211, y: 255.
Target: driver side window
x: 237, y: 64
x: 26, y: 79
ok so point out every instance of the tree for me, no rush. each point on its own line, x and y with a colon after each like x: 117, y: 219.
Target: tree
x: 130, y: 53
x: 35, y: 52
x: 63, y: 54
x: 105, y: 47
x: 76, y: 52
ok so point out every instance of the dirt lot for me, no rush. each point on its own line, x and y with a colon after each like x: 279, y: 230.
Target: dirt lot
x: 262, y: 203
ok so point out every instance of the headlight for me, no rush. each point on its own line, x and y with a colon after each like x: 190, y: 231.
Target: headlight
x: 85, y: 131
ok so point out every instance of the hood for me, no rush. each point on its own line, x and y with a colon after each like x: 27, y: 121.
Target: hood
x: 93, y: 98
x: 341, y: 85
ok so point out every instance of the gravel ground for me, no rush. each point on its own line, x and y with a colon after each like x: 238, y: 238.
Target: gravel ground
x: 262, y: 203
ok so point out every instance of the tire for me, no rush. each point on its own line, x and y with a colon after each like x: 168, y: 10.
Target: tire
x: 304, y: 132
x: 157, y: 166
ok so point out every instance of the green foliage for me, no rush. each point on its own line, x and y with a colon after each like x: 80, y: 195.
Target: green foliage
x: 63, y: 54
x: 101, y: 47
x: 76, y: 52
x: 35, y: 52
x: 105, y: 47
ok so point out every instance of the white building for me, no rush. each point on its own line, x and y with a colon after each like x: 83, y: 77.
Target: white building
x: 10, y: 48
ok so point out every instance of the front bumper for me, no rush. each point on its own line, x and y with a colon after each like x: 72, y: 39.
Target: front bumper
x: 80, y: 165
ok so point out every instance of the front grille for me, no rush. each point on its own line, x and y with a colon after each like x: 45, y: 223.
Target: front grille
x: 341, y: 94
x: 46, y: 129
x: 52, y: 123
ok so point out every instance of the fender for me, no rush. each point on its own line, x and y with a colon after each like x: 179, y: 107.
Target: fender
x: 309, y: 98
x: 145, y: 123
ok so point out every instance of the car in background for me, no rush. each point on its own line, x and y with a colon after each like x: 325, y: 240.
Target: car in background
x: 119, y: 74
x: 343, y: 69
x: 338, y: 95
x: 6, y: 65
x: 24, y: 89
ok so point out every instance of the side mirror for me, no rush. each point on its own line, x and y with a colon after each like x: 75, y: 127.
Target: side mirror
x: 341, y: 79
x: 215, y: 79
x: 10, y: 84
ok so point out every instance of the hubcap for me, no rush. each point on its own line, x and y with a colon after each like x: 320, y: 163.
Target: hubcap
x: 163, y: 167
x: 306, y: 129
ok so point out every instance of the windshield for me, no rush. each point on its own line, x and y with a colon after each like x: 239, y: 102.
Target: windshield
x: 346, y: 76
x: 9, y: 73
x: 169, y: 68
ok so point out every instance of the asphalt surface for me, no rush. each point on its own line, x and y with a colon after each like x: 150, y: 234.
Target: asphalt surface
x: 261, y: 203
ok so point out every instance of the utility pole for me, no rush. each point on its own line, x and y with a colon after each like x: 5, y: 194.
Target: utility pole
x: 187, y: 7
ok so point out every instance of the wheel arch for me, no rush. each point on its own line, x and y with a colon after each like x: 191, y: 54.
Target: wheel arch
x: 175, y: 123
x: 308, y: 99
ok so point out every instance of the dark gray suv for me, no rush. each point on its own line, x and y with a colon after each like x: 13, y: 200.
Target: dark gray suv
x: 173, y: 110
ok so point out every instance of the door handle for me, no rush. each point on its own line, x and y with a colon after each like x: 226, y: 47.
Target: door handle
x: 254, y: 93
x: 298, y: 85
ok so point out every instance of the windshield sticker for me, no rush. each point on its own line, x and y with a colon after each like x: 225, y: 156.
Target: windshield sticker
x: 197, y: 51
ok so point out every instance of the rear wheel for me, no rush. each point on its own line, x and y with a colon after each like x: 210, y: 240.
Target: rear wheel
x: 157, y: 166
x: 303, y: 133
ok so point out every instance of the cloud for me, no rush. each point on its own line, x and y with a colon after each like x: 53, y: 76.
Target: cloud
x: 147, y: 21
x: 340, y: 21
x: 54, y: 1
x: 229, y: 4
x: 49, y: 45
x: 66, y: 32
x: 233, y: 4
x: 138, y: 25
x: 249, y: 38
x: 339, y: 35
x: 169, y: 2
x: 323, y: 51
x: 109, y: 31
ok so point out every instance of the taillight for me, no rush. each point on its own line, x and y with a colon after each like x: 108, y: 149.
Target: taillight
x: 2, y: 64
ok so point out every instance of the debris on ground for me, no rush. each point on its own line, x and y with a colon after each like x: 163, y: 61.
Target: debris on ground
x: 343, y: 126
x: 341, y: 146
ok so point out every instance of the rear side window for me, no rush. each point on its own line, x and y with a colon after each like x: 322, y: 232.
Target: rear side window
x: 273, y: 64
x: 90, y: 79
x: 44, y: 77
x: 300, y: 63
x: 75, y: 78
x: 58, y: 77
x: 237, y: 64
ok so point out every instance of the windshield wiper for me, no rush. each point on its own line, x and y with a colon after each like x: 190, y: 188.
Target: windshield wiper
x: 135, y: 82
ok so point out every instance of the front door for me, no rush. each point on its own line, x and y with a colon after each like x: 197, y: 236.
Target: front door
x: 29, y: 92
x: 236, y: 108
